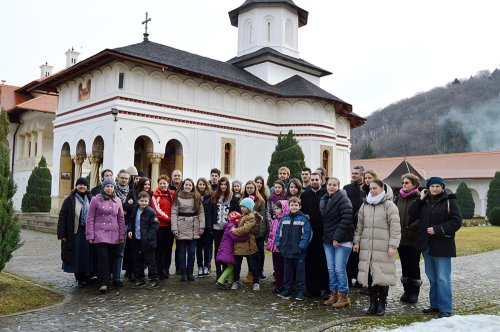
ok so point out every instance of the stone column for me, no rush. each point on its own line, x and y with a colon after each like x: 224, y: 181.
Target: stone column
x: 39, y: 151
x: 26, y: 151
x: 155, y: 160
x: 32, y: 139
x: 95, y: 162
x: 78, y: 160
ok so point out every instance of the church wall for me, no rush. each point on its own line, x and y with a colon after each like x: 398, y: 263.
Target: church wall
x: 273, y: 73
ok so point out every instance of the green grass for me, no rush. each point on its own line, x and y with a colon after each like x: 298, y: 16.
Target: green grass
x: 475, y: 240
x: 19, y: 294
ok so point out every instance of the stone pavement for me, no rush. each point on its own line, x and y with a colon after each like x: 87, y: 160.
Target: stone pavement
x: 200, y: 306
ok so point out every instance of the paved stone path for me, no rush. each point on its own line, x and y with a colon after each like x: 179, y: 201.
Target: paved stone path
x: 200, y: 306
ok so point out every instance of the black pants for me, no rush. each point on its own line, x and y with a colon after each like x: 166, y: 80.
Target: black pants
x: 217, y: 238
x: 165, y: 241
x: 410, y: 262
x: 204, y: 250
x: 142, y: 257
x: 105, y: 253
x: 253, y: 262
x: 262, y: 254
x: 352, y: 266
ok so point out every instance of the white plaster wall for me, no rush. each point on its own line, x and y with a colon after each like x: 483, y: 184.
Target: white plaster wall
x: 480, y: 186
x: 273, y: 73
x: 257, y: 19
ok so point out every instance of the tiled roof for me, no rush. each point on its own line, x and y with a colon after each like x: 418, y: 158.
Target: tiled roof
x: 9, y: 98
x: 469, y: 165
x: 43, y: 103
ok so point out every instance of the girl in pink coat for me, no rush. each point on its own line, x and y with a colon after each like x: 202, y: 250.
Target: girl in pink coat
x: 281, y: 210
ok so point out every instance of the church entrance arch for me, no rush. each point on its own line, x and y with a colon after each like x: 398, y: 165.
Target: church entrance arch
x: 173, y: 158
x: 143, y: 150
x: 96, y: 160
x: 66, y: 176
x: 79, y: 158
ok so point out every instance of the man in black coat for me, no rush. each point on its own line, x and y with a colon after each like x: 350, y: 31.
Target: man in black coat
x: 105, y: 174
x: 354, y: 194
x: 316, y: 269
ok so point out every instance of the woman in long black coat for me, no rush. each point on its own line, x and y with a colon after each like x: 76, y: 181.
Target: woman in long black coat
x: 76, y: 252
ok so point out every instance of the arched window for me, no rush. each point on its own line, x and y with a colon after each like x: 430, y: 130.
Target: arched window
x: 325, y: 161
x: 268, y: 32
x: 227, y: 158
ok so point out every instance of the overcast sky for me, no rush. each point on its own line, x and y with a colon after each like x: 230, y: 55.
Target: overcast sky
x: 379, y: 51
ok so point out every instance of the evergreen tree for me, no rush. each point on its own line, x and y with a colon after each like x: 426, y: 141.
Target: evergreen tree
x: 465, y: 201
x: 37, y: 196
x: 368, y: 152
x: 10, y: 238
x: 493, y: 197
x: 495, y: 216
x: 452, y: 137
x: 287, y: 153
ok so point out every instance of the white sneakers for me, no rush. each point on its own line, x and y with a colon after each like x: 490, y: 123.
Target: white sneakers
x: 206, y: 272
x: 256, y: 287
x: 235, y: 285
x: 200, y: 272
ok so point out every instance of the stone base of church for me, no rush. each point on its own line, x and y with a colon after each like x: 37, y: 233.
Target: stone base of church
x: 38, y: 221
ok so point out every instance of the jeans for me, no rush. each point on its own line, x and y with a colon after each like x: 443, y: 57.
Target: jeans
x: 253, y: 261
x: 117, y: 261
x: 336, y: 260
x: 186, y: 247
x: 204, y: 250
x: 295, y: 267
x: 438, y: 271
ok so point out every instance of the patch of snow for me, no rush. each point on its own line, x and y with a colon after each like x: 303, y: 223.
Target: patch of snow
x: 457, y: 323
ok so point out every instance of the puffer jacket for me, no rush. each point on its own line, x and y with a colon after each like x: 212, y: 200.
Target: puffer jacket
x: 409, y: 225
x: 271, y: 241
x: 336, y: 211
x: 378, y: 228
x: 293, y: 235
x: 225, y: 255
x: 262, y: 227
x: 187, y: 223
x: 148, y: 226
x: 446, y: 222
x: 248, y: 225
x: 105, y: 221
x: 161, y: 202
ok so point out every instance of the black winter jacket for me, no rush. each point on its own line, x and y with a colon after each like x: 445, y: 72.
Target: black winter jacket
x: 409, y: 225
x: 338, y: 224
x: 356, y: 197
x: 212, y: 216
x: 445, y: 224
x: 149, y: 226
x: 66, y: 226
x: 206, y: 208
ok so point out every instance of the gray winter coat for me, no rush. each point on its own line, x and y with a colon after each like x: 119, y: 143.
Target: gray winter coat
x: 187, y: 224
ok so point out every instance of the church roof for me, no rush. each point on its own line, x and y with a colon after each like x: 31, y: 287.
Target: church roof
x: 43, y: 103
x: 9, y: 97
x: 233, y: 14
x: 168, y: 58
x: 470, y: 165
x: 268, y: 54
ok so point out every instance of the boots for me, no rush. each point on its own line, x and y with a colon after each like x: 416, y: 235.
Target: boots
x: 406, y: 287
x: 414, y: 286
x: 183, y: 274
x: 332, y: 299
x: 372, y: 310
x: 343, y: 301
x: 190, y: 276
x: 383, y: 291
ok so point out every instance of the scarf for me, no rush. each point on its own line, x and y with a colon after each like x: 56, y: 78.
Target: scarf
x: 106, y: 196
x: 275, y: 197
x: 85, y: 208
x: 374, y: 200
x: 122, y: 191
x: 405, y: 194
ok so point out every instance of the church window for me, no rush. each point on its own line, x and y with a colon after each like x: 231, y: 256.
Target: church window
x: 325, y: 161
x: 268, y: 32
x: 29, y: 149
x: 289, y: 33
x: 121, y: 79
x: 227, y: 158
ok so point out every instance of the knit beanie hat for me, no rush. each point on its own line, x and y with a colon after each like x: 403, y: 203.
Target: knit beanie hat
x: 132, y: 171
x: 108, y: 181
x: 248, y: 203
x: 435, y: 180
x: 82, y: 181
x: 234, y: 216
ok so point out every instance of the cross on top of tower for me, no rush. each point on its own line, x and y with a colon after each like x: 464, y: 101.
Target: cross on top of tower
x: 145, y: 22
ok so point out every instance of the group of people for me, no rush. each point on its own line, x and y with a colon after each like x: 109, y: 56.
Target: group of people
x: 323, y: 239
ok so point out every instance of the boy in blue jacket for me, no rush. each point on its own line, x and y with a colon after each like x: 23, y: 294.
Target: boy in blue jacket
x: 142, y: 228
x: 292, y: 238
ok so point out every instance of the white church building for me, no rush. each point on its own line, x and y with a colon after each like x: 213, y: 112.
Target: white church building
x: 160, y: 108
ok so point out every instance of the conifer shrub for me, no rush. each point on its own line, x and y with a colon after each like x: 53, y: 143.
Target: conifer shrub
x: 493, y: 197
x: 287, y: 153
x: 37, y: 196
x: 465, y: 201
x: 10, y: 238
x: 495, y: 216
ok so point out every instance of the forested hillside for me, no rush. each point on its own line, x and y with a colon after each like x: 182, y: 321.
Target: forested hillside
x: 463, y: 116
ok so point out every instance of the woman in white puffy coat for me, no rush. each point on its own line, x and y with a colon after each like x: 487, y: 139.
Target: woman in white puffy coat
x: 376, y: 239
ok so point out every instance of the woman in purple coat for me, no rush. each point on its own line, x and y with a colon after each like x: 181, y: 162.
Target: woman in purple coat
x: 225, y: 254
x: 105, y: 229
